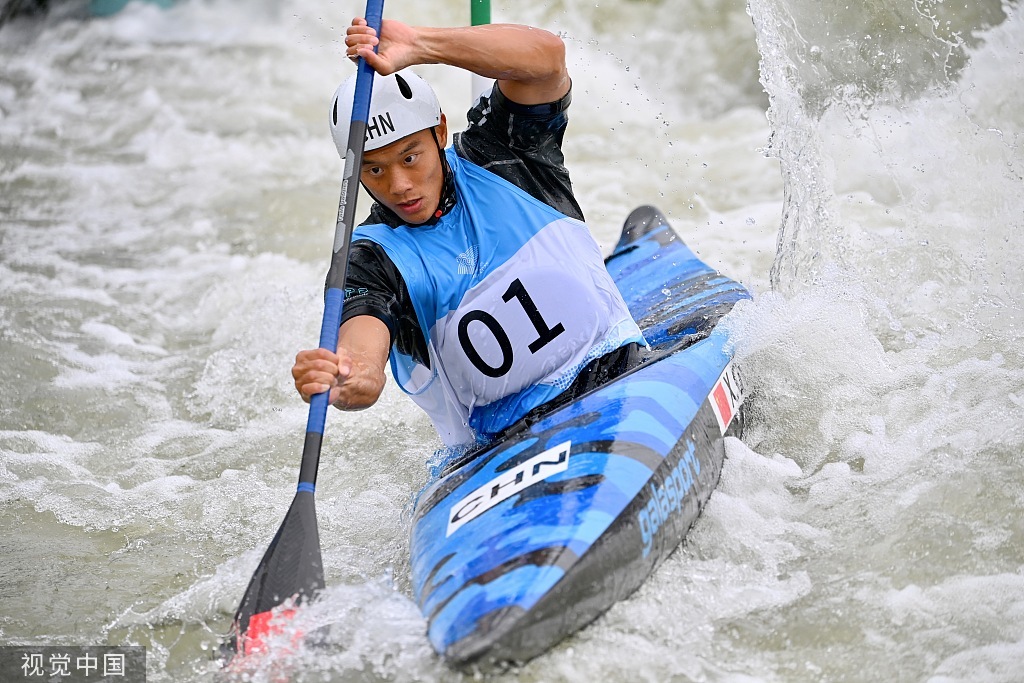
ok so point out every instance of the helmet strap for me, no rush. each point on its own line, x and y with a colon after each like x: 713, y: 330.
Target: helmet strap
x: 448, y: 194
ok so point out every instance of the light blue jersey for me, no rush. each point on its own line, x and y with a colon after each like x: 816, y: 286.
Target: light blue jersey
x: 513, y: 299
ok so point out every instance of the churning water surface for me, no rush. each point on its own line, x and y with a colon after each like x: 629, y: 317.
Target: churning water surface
x: 168, y: 189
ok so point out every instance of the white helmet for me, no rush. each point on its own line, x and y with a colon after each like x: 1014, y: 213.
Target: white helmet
x: 401, y: 104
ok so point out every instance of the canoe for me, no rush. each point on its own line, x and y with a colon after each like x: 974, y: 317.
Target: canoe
x: 520, y: 544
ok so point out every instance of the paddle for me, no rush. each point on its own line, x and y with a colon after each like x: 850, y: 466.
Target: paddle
x: 291, y: 570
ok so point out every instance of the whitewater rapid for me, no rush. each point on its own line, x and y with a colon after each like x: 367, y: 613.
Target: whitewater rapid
x: 168, y: 189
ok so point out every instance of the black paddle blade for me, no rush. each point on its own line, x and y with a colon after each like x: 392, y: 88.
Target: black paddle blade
x: 291, y: 568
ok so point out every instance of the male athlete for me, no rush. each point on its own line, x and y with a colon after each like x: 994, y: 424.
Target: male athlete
x: 474, y: 272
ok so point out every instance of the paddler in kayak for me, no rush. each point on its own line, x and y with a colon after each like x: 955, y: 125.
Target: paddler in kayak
x: 474, y: 272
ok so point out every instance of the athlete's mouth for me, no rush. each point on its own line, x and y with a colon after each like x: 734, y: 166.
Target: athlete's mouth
x: 411, y: 206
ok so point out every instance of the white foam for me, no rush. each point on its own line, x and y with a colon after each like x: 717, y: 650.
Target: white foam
x: 172, y: 190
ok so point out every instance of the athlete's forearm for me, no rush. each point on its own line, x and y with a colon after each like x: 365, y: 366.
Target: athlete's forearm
x: 502, y: 51
x: 528, y: 62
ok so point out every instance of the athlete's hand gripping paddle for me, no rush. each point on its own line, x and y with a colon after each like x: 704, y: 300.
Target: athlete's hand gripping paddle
x: 291, y: 570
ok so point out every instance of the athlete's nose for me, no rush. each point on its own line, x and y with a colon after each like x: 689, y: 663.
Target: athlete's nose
x: 401, y: 183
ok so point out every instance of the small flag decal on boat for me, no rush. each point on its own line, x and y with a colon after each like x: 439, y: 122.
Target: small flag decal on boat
x: 726, y: 397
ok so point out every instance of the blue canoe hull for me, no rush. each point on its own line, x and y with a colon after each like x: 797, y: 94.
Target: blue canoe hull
x: 526, y: 542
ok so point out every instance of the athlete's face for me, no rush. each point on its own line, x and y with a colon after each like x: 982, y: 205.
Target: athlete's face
x: 407, y: 176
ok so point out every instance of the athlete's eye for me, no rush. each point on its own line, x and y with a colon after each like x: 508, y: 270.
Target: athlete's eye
x: 374, y: 170
x: 411, y: 158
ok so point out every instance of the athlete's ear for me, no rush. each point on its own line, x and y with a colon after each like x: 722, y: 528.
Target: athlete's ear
x: 442, y: 132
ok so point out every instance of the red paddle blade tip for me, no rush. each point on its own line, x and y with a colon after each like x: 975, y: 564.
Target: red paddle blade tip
x: 251, y: 646
x: 263, y: 627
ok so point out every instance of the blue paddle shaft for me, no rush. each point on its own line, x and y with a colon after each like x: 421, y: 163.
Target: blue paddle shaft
x: 292, y: 565
x: 335, y: 296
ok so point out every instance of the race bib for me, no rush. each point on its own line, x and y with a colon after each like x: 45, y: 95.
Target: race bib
x: 515, y: 330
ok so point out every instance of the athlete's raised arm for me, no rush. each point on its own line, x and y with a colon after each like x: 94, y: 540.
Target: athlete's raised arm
x: 528, y: 62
